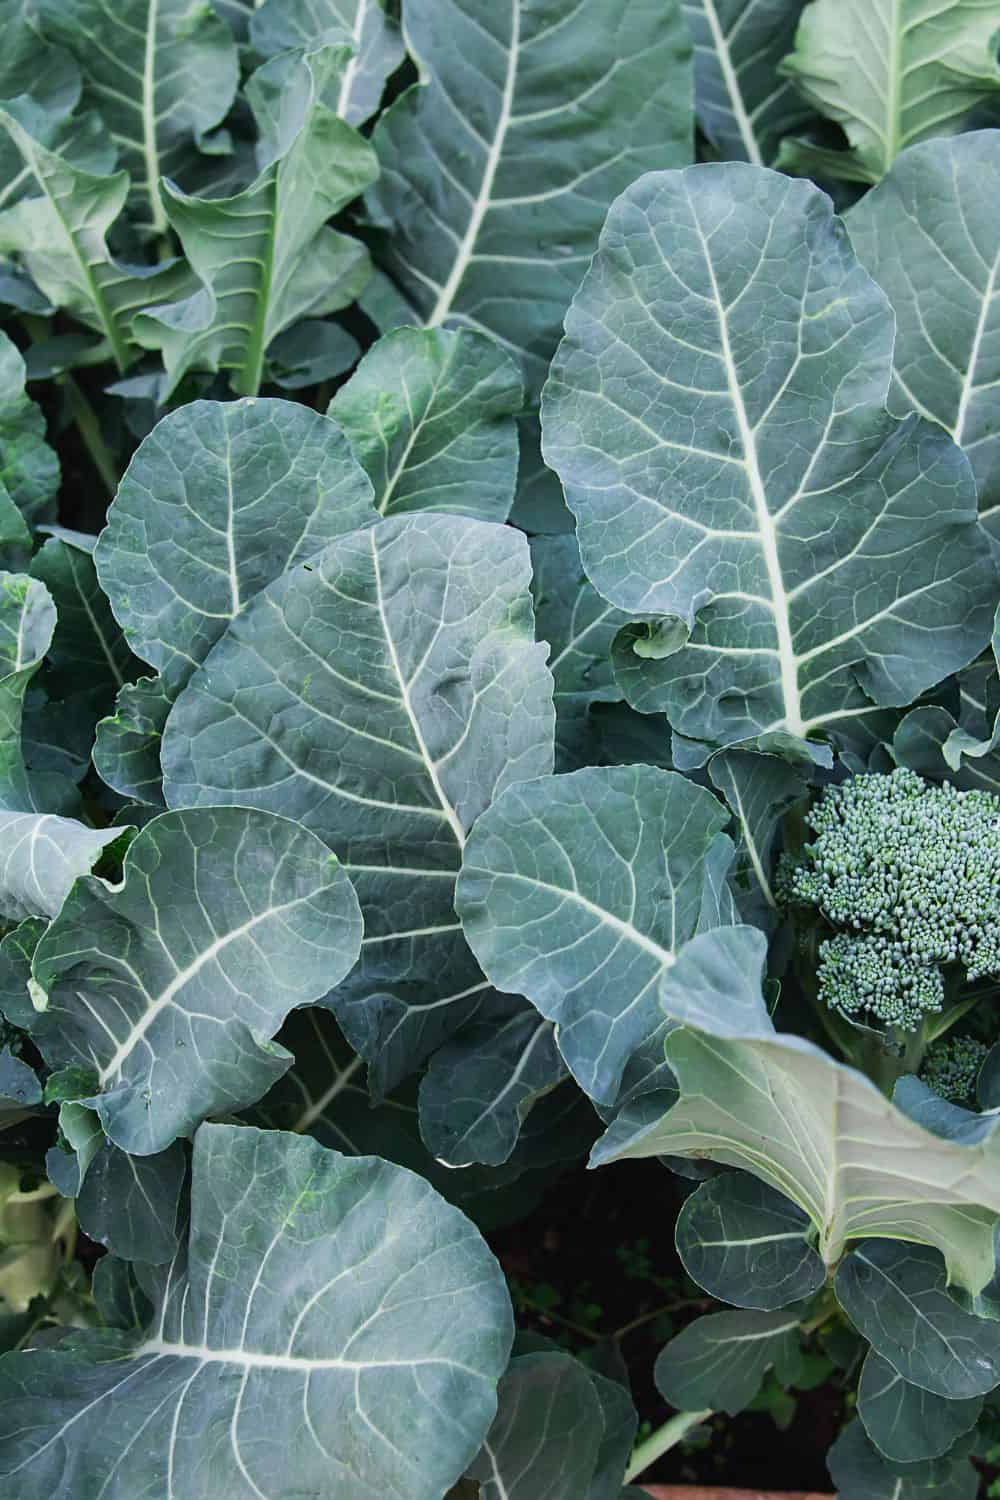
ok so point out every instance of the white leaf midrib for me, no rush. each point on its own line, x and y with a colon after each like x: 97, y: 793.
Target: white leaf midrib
x: 481, y: 205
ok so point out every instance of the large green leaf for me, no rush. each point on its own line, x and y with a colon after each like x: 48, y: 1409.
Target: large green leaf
x: 579, y: 626
x: 373, y: 36
x: 720, y: 1361
x: 929, y: 235
x: 61, y: 236
x: 382, y: 695
x: 335, y: 1328
x: 170, y: 985
x: 803, y: 553
x: 578, y: 890
x: 29, y: 468
x: 473, y: 242
x: 890, y: 74
x: 744, y: 105
x: 161, y: 72
x: 544, y: 1442
x: 266, y: 257
x: 747, y: 1244
x: 905, y: 1422
x: 896, y: 1295
x: 817, y: 1131
x: 861, y: 1473
x: 430, y: 417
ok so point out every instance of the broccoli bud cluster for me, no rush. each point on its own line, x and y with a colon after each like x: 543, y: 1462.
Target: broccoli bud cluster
x: 911, y: 872
x: 951, y: 1068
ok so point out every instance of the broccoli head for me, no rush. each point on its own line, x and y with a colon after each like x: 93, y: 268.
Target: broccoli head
x: 951, y: 1068
x: 910, y: 873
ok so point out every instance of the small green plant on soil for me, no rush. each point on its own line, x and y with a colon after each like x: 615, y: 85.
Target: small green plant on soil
x: 499, y: 524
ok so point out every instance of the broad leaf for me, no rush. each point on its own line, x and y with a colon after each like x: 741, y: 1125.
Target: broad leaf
x: 480, y: 1086
x: 382, y: 695
x: 430, y: 417
x: 907, y: 1423
x: 475, y: 244
x: 61, y: 235
x: 747, y: 1244
x: 804, y: 554
x: 928, y: 234
x: 579, y: 626
x: 278, y: 25
x: 266, y: 257
x: 817, y: 1131
x: 759, y: 789
x: 896, y: 1296
x: 719, y: 1361
x: 161, y: 73
x: 577, y: 891
x: 861, y: 1473
x: 374, y: 1381
x: 890, y: 75
x: 544, y: 1442
x: 29, y: 468
x: 170, y: 985
x: 744, y: 106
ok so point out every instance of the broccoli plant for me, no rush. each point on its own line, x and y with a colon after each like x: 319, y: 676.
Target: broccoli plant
x: 951, y: 1068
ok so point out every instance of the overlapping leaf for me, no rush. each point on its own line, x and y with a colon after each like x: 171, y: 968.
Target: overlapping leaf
x: 905, y: 1422
x: 340, y: 1296
x: 578, y: 890
x: 29, y: 468
x: 169, y: 986
x: 804, y: 555
x: 475, y: 244
x: 430, y: 417
x: 747, y: 1244
x: 890, y: 75
x: 544, y: 1442
x: 929, y: 236
x: 817, y: 1131
x: 381, y: 695
x: 161, y: 73
x: 374, y: 38
x: 266, y: 257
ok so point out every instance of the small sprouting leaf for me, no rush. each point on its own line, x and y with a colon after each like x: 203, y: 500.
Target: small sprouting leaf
x: 747, y: 1244
x: 430, y: 417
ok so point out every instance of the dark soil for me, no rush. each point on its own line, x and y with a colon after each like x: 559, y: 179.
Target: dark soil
x: 598, y: 1254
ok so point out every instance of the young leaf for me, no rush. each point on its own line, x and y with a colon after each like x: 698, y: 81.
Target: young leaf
x: 480, y: 1086
x: 804, y: 554
x: 61, y: 236
x: 577, y: 891
x: 162, y: 74
x: 170, y: 985
x: 819, y: 1132
x: 579, y: 626
x: 382, y: 695
x: 27, y: 622
x: 905, y: 1422
x: 759, y: 789
x: 29, y: 468
x: 475, y: 244
x: 126, y: 750
x: 928, y: 234
x: 374, y: 38
x: 20, y: 1089
x: 266, y: 257
x: 430, y: 417
x: 270, y: 1311
x: 88, y: 659
x: 747, y: 1244
x: 744, y: 106
x: 890, y: 75
x: 545, y: 1440
x: 896, y: 1295
x: 42, y: 856
x: 720, y: 1361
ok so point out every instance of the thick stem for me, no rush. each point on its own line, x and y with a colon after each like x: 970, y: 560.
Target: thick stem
x: 662, y: 1440
x: 90, y: 431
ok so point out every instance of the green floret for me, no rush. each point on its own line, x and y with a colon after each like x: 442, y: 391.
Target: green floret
x: 911, y: 872
x: 951, y: 1068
